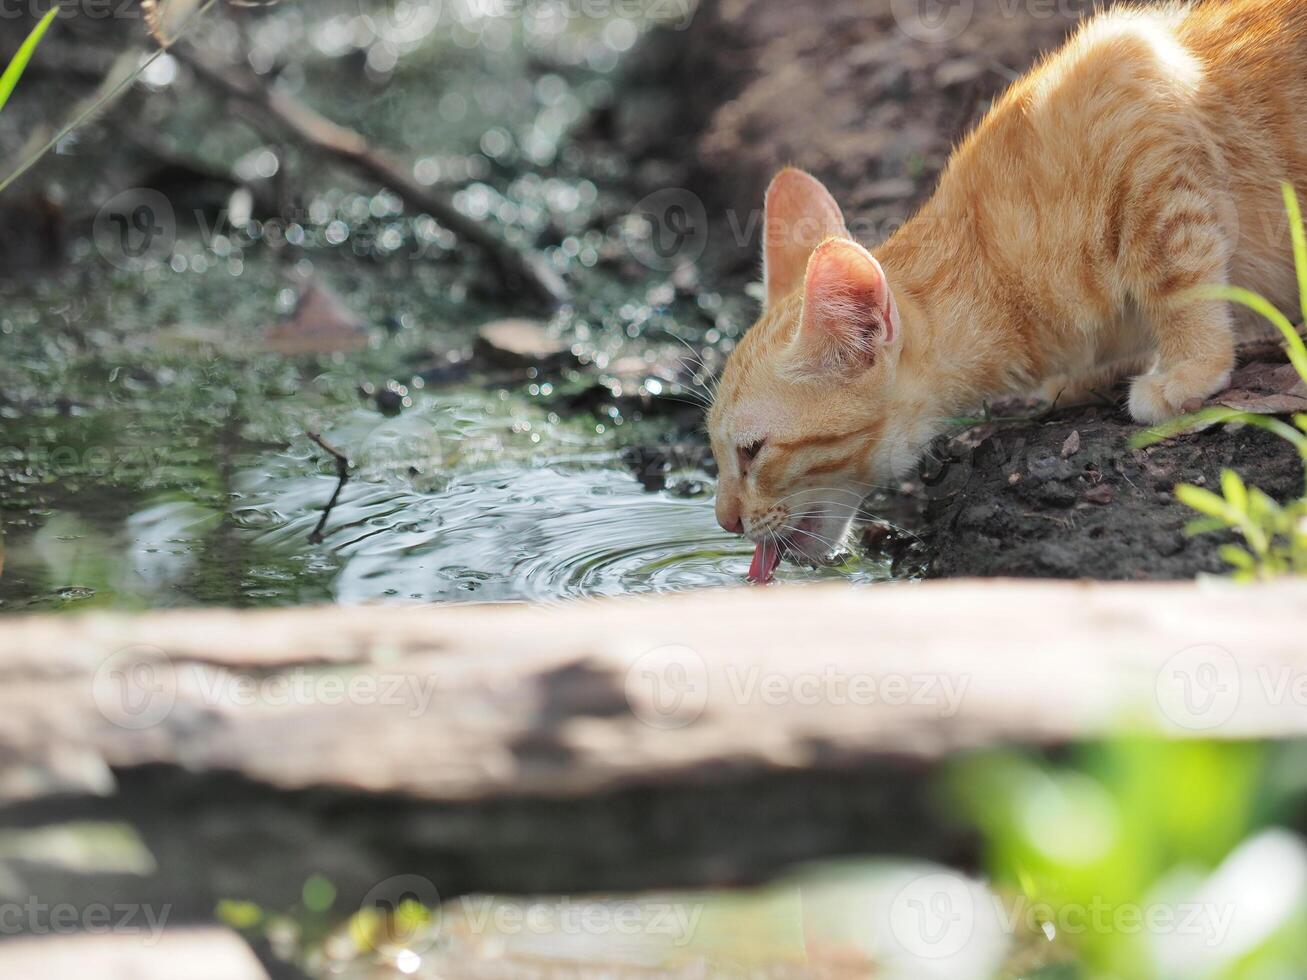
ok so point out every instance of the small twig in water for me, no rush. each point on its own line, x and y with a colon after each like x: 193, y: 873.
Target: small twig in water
x: 342, y: 477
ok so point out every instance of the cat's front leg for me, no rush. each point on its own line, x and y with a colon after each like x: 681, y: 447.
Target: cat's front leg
x: 1195, y: 342
x: 1194, y: 360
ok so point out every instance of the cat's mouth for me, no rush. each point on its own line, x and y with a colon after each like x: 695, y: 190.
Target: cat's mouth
x: 766, y: 557
x: 798, y: 543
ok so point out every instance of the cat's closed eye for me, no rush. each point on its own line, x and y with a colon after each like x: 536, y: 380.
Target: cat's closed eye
x: 747, y: 453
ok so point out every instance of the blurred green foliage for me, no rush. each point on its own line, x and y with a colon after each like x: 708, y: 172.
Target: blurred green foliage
x: 1126, y: 832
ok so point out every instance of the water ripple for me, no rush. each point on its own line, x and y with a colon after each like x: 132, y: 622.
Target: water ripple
x: 551, y: 532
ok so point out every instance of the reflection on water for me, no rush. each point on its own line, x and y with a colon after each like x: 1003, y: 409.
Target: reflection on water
x: 529, y: 509
x: 466, y: 497
x: 559, y: 530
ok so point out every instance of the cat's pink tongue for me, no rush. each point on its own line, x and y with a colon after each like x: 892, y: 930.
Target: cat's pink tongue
x: 765, y: 559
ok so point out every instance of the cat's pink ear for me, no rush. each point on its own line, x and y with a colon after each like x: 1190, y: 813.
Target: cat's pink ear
x: 849, y: 319
x: 800, y: 214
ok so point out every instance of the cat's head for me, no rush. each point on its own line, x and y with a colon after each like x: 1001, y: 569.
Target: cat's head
x: 802, y: 424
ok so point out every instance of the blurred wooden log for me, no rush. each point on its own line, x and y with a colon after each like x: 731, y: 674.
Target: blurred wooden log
x: 345, y: 146
x: 195, y: 954
x: 694, y: 739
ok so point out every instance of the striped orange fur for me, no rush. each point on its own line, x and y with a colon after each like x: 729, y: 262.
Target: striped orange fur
x: 1143, y: 158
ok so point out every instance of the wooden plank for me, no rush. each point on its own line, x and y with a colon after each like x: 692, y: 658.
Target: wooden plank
x: 625, y: 743
x: 581, y: 698
x: 196, y: 954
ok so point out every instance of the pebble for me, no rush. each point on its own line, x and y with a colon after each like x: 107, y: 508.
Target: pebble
x: 1102, y: 494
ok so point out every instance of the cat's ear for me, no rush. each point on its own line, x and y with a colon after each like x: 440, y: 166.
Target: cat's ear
x: 799, y: 215
x: 849, y: 320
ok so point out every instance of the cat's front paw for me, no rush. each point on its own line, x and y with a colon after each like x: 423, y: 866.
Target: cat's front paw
x: 1157, y: 398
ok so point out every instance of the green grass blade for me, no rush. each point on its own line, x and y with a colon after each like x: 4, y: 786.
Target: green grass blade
x: 1272, y: 424
x: 1186, y: 423
x: 9, y: 80
x: 91, y: 110
x: 1299, y: 243
x: 1261, y: 305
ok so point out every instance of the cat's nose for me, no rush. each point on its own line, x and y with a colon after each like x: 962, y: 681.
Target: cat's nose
x: 728, y: 515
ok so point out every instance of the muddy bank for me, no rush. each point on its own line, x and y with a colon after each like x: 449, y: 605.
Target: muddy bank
x: 871, y: 101
x: 1069, y: 498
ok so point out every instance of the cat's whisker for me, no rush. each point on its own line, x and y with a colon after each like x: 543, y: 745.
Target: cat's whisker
x: 700, y: 369
x: 828, y: 542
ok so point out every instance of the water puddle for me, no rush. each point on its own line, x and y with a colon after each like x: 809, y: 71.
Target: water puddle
x: 567, y: 527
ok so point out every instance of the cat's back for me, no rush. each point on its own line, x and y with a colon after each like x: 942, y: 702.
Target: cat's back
x: 1092, y: 141
x: 1254, y: 102
x: 1250, y: 38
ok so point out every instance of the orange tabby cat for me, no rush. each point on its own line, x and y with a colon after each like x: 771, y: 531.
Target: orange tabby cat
x: 1141, y: 160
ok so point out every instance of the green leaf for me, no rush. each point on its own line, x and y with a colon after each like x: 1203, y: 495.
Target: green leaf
x: 318, y: 893
x: 1236, y: 493
x: 239, y: 915
x: 1186, y: 423
x: 1205, y: 525
x: 1264, y: 509
x: 9, y: 80
x: 1203, y: 501
x: 1238, y: 557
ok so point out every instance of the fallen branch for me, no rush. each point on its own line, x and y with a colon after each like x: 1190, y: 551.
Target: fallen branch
x: 342, y: 477
x: 347, y: 147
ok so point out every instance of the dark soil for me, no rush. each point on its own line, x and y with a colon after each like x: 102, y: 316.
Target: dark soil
x: 1022, y: 503
x: 873, y: 112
